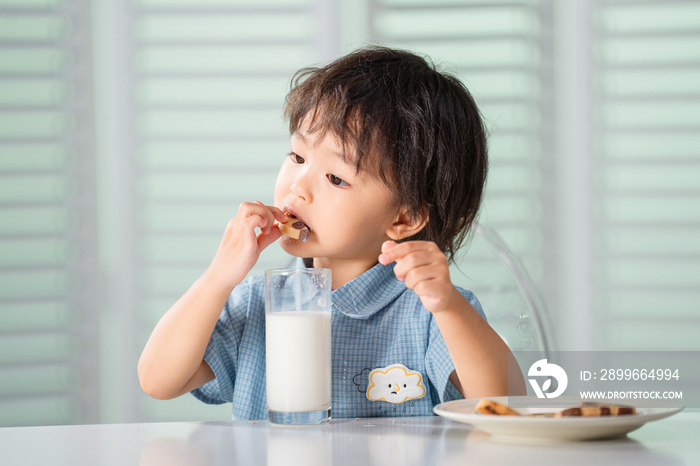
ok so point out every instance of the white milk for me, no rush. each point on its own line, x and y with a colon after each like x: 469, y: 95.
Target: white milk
x: 298, y: 346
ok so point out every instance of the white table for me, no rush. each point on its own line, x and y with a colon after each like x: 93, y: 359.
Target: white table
x: 367, y: 441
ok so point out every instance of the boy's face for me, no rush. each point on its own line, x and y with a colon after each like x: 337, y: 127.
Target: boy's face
x: 348, y: 214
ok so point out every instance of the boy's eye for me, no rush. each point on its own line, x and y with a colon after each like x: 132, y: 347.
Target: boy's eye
x: 296, y: 158
x: 335, y: 181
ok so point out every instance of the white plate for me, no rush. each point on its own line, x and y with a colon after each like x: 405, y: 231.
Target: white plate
x: 547, y: 429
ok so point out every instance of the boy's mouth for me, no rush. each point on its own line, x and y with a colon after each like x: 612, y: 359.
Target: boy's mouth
x: 295, y: 227
x: 299, y: 222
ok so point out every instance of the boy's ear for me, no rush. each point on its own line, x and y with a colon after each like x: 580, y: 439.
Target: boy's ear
x: 405, y: 225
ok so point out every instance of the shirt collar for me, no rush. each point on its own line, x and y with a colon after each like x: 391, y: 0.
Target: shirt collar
x: 365, y: 295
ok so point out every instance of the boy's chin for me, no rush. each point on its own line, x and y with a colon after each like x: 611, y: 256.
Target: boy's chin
x: 292, y: 246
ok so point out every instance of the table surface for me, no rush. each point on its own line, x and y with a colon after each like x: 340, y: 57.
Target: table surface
x: 366, y: 441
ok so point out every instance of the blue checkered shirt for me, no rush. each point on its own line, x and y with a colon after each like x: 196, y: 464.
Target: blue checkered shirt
x: 376, y: 322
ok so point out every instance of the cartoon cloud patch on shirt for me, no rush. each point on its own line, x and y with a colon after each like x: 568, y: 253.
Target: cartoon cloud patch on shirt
x: 395, y: 384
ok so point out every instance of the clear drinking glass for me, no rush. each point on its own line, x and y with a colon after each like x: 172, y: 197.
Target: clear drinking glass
x: 298, y: 345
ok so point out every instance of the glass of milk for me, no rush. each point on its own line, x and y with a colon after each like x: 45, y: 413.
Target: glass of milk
x: 298, y: 345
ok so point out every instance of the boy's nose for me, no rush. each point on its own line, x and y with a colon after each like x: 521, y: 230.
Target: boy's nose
x: 298, y: 192
x: 301, y: 188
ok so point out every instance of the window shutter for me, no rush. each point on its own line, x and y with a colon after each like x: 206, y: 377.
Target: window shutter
x: 48, y: 292
x: 647, y: 133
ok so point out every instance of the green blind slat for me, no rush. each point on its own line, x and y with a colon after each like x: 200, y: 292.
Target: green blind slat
x: 259, y: 59
x: 30, y: 348
x: 243, y: 26
x: 33, y: 60
x: 213, y: 91
x: 198, y: 4
x: 38, y: 380
x: 45, y: 410
x: 32, y: 28
x: 214, y: 123
x: 37, y: 316
x: 35, y: 220
x: 266, y: 155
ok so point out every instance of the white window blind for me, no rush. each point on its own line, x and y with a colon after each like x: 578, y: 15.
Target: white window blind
x: 647, y: 132
x: 48, y: 294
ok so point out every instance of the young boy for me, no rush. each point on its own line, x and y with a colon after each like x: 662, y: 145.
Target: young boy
x: 387, y: 169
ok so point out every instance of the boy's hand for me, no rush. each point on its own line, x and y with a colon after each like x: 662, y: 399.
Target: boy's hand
x: 425, y: 270
x: 240, y: 246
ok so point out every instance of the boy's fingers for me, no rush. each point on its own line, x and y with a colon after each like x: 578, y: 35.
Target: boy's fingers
x: 420, y: 275
x: 278, y: 214
x: 391, y: 251
x: 421, y: 287
x: 386, y: 245
x: 253, y: 221
x: 396, y: 252
x: 252, y: 209
x: 266, y: 239
x: 269, y: 213
x: 413, y: 261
